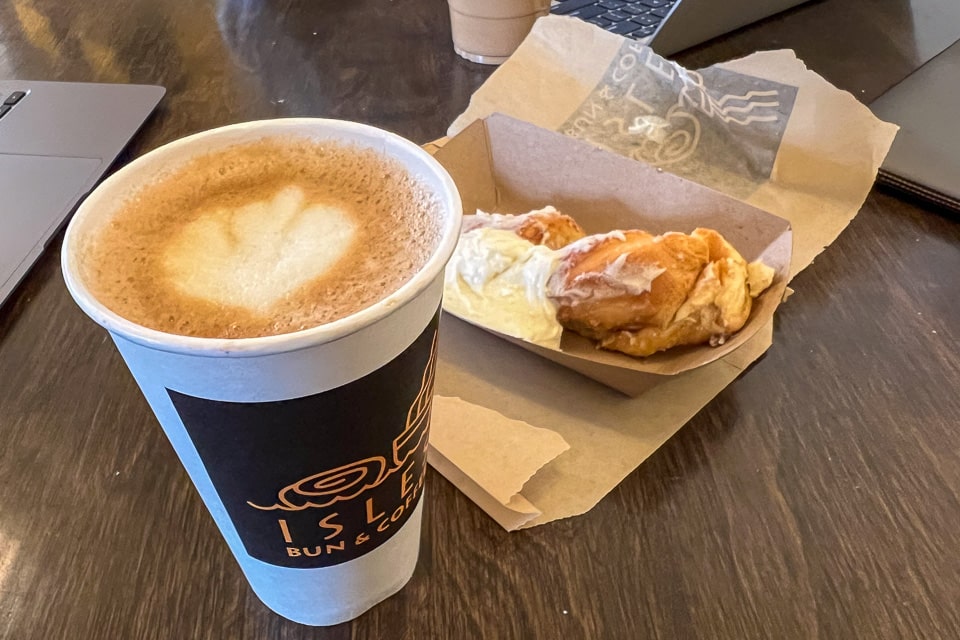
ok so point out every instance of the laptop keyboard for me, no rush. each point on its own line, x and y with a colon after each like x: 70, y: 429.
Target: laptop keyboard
x: 638, y: 19
x: 7, y: 102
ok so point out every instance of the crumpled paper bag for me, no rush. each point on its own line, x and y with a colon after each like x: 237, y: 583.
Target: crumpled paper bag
x: 763, y: 129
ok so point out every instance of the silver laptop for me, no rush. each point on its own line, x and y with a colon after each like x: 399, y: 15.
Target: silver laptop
x: 925, y: 157
x: 57, y: 139
x: 669, y: 26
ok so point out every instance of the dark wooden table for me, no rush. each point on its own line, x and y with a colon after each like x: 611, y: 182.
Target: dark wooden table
x: 816, y: 497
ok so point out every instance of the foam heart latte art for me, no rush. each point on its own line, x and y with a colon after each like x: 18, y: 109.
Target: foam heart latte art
x: 263, y: 238
x: 220, y: 256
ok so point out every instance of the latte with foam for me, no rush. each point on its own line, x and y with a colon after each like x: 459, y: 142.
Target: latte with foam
x: 262, y: 238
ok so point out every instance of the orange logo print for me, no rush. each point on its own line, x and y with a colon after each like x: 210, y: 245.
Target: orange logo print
x: 348, y: 481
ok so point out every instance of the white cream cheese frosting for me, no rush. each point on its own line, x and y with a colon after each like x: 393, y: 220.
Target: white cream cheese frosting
x: 498, y: 280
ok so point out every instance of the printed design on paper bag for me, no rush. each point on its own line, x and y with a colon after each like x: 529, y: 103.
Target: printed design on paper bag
x: 320, y: 480
x: 347, y: 482
x: 717, y: 127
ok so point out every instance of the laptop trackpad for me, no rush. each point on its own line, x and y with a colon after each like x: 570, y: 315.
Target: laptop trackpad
x: 38, y: 193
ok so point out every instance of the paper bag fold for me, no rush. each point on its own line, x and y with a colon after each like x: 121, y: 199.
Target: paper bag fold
x: 490, y: 457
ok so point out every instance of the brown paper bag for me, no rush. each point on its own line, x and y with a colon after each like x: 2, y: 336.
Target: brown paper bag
x: 763, y: 129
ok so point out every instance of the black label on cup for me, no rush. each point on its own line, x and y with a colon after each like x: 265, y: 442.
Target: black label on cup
x: 319, y: 480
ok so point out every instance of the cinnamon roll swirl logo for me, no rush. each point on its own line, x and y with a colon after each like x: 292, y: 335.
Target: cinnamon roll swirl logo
x: 715, y: 126
x: 349, y: 481
x: 320, y: 480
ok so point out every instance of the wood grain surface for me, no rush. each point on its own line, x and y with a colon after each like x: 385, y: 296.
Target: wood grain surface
x: 816, y: 497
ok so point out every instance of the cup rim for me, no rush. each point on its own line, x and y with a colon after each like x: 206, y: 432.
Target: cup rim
x: 363, y: 135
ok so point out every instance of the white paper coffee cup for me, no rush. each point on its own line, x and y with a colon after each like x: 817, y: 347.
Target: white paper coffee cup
x: 308, y: 448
